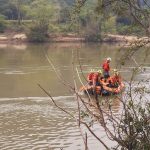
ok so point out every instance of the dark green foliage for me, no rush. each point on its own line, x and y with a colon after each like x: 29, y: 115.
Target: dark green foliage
x: 65, y: 15
x: 129, y: 29
x: 9, y: 8
x: 2, y: 24
x: 2, y: 27
x: 38, y: 33
x: 93, y: 37
x: 135, y: 126
x: 88, y: 18
x: 91, y: 30
x: 41, y: 12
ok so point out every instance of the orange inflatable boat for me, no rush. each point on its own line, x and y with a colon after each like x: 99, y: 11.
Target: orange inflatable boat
x: 103, y: 90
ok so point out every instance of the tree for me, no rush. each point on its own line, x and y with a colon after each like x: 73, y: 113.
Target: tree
x: 17, y: 4
x: 138, y: 10
x: 2, y: 24
x: 41, y: 14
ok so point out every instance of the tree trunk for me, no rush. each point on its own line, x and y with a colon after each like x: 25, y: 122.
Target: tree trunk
x: 18, y: 12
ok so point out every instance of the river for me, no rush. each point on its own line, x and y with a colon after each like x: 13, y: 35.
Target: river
x: 28, y: 119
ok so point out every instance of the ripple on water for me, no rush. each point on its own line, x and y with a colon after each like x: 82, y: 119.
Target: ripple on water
x: 32, y: 124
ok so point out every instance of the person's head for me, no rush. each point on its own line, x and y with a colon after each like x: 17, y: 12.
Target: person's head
x: 116, y: 73
x: 99, y: 72
x: 108, y: 59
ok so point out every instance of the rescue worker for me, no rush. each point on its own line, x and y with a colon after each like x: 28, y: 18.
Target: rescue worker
x: 106, y: 68
x: 96, y: 81
x: 115, y: 80
x: 96, y: 78
x: 90, y: 76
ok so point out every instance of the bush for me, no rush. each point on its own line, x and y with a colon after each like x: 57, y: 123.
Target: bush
x: 64, y: 28
x: 53, y: 28
x: 109, y: 25
x: 2, y: 24
x: 38, y: 33
x: 129, y: 29
x: 92, y: 33
x: 13, y: 25
x: 92, y: 37
x: 2, y: 27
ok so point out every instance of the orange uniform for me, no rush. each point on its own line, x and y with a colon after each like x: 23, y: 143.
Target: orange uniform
x: 116, y: 79
x: 93, y: 78
x: 106, y: 66
x: 106, y: 69
x: 90, y: 76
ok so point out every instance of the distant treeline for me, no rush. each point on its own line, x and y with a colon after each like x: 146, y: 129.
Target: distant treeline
x: 85, y: 17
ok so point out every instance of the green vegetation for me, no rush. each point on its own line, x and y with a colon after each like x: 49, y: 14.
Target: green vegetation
x: 41, y: 14
x: 90, y: 19
x: 2, y: 24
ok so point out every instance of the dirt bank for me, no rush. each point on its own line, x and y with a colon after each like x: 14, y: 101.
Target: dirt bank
x: 13, y: 38
x: 124, y: 38
x: 22, y: 38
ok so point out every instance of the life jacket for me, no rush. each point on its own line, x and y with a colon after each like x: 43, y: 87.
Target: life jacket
x: 115, y: 79
x: 95, y: 78
x: 106, y: 66
x: 90, y: 76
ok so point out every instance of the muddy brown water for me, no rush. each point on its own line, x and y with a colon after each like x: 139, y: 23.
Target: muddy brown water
x: 28, y: 119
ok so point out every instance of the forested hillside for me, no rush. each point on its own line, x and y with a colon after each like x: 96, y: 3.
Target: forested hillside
x: 91, y: 19
x: 9, y: 8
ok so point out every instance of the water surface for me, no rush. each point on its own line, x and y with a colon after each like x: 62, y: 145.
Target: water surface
x: 28, y: 119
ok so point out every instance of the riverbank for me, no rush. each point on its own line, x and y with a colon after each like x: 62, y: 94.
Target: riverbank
x: 9, y: 38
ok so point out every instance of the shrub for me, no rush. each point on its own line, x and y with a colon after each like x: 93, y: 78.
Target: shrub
x: 92, y: 33
x: 38, y: 33
x: 129, y: 29
x: 92, y: 37
x: 2, y: 24
x: 110, y: 25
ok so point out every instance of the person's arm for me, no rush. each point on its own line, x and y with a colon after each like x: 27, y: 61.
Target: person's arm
x: 94, y: 80
x: 88, y: 78
x: 120, y: 80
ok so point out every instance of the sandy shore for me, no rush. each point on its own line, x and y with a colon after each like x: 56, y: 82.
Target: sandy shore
x: 13, y: 38
x: 22, y: 38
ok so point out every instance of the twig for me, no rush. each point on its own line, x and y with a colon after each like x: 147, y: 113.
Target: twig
x: 48, y: 94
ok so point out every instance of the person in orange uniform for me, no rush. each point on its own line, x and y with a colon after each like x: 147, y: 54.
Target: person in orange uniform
x: 96, y: 81
x: 106, y: 67
x: 94, y: 77
x: 115, y: 80
x: 90, y: 76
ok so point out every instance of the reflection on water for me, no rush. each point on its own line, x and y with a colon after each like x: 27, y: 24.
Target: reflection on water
x: 21, y: 70
x: 28, y: 120
x: 34, y: 123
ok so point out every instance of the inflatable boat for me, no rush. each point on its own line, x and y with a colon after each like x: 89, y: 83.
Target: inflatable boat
x: 103, y: 90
